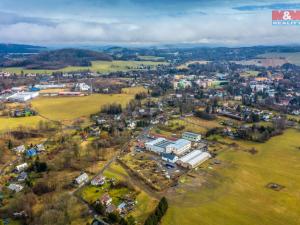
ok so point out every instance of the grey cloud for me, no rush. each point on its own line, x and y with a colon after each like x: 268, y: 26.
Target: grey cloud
x: 275, y: 6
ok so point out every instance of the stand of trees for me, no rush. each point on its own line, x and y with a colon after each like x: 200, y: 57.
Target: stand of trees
x: 112, y: 109
x: 159, y: 212
x: 204, y: 115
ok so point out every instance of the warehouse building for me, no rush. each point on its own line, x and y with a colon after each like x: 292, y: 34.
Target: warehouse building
x: 179, y: 147
x: 162, y: 145
x: 191, y: 136
x: 158, y: 145
x: 193, y: 159
x: 22, y: 96
x: 169, y: 157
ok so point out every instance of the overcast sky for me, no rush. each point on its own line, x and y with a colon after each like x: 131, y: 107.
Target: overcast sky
x: 212, y: 22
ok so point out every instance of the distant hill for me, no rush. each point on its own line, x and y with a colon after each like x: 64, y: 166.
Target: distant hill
x: 58, y: 59
x: 21, y: 49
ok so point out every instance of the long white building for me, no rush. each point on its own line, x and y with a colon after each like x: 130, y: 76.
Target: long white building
x: 193, y: 159
x: 23, y: 96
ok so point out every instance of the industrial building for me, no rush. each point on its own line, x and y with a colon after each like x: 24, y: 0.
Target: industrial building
x: 22, y: 96
x: 162, y: 145
x: 49, y: 86
x: 158, y: 145
x: 191, y: 136
x: 82, y: 87
x: 169, y: 157
x: 179, y: 147
x: 193, y: 159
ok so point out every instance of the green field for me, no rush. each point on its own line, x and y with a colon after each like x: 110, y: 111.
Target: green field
x: 67, y: 108
x: 249, y: 73
x: 97, y: 66
x: 7, y: 124
x: 70, y: 108
x: 235, y: 192
x: 151, y: 58
x: 291, y: 57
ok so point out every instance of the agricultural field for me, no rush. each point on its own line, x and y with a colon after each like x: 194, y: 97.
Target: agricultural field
x: 13, y: 123
x: 265, y: 62
x: 67, y: 108
x: 249, y: 73
x: 97, y: 66
x: 150, y: 58
x: 194, y: 124
x: 237, y: 191
x: 291, y: 57
x: 133, y: 90
x: 70, y: 108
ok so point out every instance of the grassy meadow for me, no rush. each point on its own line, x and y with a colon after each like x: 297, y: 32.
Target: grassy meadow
x: 235, y: 191
x: 70, y: 108
x: 67, y: 108
x: 13, y: 123
x: 97, y: 66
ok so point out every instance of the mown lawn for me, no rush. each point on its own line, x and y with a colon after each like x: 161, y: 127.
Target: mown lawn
x: 235, y: 192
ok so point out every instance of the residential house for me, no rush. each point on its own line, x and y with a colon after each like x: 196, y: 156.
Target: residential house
x: 40, y: 148
x: 22, y: 176
x: 21, y: 167
x: 106, y: 199
x: 111, y: 208
x: 98, y: 181
x: 122, y: 207
x: 82, y: 179
x: 31, y: 152
x: 15, y: 187
x: 20, y: 149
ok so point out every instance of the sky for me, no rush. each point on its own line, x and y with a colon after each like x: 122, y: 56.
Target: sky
x: 145, y: 22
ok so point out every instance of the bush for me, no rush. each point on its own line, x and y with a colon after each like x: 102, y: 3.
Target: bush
x: 40, y: 167
x: 42, y: 188
x: 141, y: 96
x: 99, y: 208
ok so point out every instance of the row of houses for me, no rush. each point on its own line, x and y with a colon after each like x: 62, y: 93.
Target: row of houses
x: 33, y: 151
